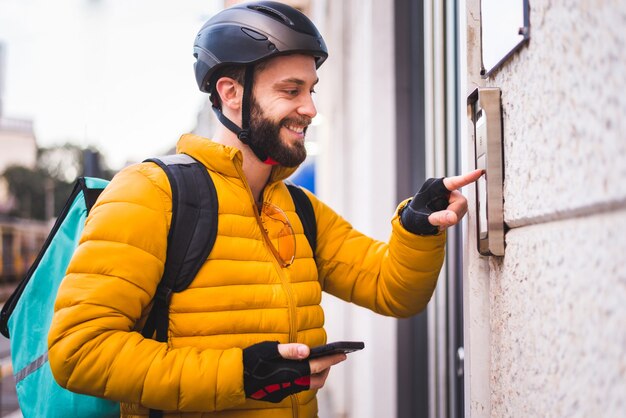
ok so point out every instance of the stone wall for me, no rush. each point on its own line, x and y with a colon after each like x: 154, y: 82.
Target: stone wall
x: 555, y: 307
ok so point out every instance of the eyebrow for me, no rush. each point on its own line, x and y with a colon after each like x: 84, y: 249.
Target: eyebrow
x: 294, y: 80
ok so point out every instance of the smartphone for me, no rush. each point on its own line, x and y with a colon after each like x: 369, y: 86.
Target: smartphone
x: 336, y: 348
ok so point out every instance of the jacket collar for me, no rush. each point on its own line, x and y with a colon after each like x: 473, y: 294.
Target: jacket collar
x: 221, y: 158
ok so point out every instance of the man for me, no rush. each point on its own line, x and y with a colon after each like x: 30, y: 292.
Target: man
x: 239, y: 336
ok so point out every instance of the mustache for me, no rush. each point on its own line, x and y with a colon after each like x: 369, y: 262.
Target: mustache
x: 299, y: 121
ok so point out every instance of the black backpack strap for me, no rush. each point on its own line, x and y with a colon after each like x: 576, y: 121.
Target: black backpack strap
x: 305, y: 211
x: 192, y: 234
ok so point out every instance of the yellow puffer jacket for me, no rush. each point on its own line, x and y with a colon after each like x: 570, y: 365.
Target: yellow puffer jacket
x: 241, y: 295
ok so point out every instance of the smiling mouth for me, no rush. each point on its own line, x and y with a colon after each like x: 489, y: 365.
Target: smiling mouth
x: 299, y: 130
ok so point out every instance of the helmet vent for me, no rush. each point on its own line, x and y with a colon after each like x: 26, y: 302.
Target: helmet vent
x: 273, y: 13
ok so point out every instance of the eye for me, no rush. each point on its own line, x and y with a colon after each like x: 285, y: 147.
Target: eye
x: 292, y: 92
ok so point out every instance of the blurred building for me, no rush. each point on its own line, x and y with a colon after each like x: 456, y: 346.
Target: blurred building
x: 17, y: 143
x: 17, y: 140
x: 20, y: 239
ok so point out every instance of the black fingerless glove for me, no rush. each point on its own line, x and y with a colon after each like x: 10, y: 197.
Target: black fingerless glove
x: 432, y: 197
x: 267, y: 376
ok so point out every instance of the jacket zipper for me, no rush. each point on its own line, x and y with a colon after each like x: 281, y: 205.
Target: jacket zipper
x: 287, y: 287
x: 291, y: 307
x: 279, y: 269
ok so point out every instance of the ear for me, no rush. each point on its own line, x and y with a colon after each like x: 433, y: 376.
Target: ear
x: 230, y: 92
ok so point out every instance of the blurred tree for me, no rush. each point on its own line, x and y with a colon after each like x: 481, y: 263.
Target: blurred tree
x: 27, y: 188
x: 40, y: 193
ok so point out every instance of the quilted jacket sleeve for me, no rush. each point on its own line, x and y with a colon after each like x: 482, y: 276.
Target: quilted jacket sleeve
x: 111, y: 279
x: 395, y: 278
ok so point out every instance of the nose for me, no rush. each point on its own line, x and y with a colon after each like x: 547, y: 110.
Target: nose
x: 307, y: 106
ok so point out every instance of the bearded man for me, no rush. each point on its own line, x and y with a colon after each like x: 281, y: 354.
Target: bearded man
x: 239, y: 336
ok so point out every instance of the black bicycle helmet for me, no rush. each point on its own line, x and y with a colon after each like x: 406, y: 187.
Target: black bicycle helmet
x: 251, y: 32
x: 246, y: 34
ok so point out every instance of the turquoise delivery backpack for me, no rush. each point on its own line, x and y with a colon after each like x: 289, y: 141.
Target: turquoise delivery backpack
x: 27, y: 315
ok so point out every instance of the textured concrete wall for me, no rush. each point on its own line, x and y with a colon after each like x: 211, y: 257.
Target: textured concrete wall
x: 564, y: 112
x: 557, y: 317
x: 558, y: 320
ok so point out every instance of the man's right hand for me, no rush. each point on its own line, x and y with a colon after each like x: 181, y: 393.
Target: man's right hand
x: 273, y: 371
x: 320, y: 367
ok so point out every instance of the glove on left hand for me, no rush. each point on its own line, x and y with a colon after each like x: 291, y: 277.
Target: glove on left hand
x: 267, y: 376
x: 432, y: 197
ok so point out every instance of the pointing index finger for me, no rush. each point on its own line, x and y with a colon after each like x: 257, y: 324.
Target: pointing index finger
x: 456, y: 182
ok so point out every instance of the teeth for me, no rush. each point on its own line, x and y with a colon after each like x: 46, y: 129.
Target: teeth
x: 295, y: 128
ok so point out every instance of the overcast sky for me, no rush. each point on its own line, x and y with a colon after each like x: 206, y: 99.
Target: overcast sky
x: 117, y: 74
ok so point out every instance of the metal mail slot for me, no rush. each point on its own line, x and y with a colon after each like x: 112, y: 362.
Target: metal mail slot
x: 485, y: 112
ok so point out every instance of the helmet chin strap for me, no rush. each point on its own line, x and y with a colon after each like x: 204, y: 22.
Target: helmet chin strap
x: 243, y: 133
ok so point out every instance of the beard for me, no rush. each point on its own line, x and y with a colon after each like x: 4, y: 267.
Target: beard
x: 265, y: 134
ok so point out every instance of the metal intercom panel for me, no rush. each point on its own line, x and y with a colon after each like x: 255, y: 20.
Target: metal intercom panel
x: 485, y: 112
